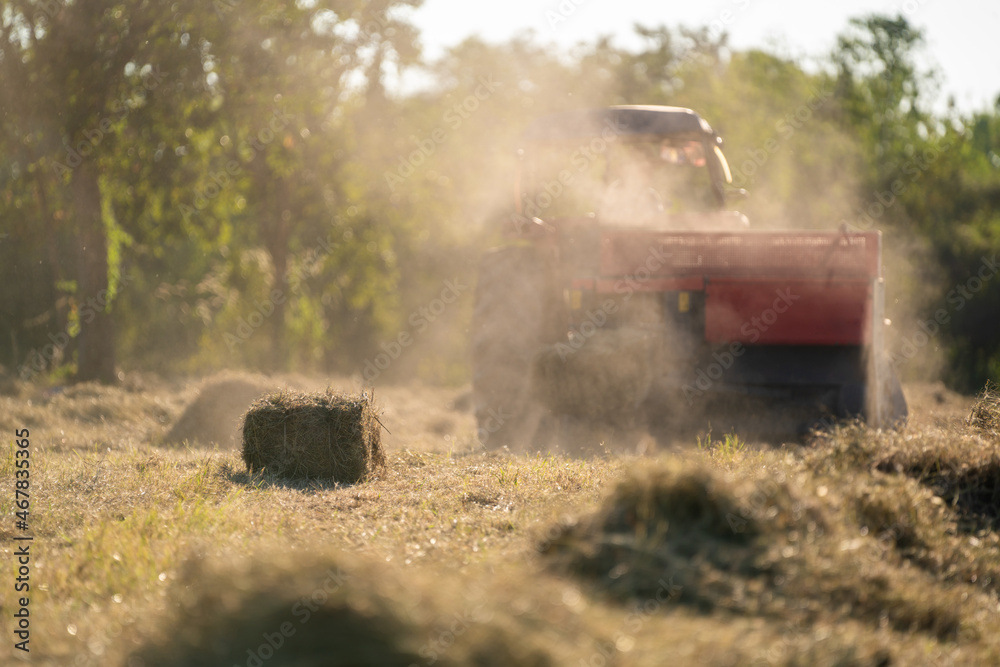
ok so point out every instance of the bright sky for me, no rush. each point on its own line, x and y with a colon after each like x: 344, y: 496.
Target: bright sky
x: 963, y: 36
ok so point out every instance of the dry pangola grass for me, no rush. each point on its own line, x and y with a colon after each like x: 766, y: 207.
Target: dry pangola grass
x: 922, y: 492
x: 608, y: 375
x: 310, y: 610
x: 959, y: 465
x: 671, y: 526
x: 325, y: 435
x: 970, y: 483
x: 986, y: 412
x: 766, y: 546
x: 962, y: 469
x: 890, y: 579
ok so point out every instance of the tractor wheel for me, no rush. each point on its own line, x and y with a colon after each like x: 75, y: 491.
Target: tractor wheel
x: 512, y: 319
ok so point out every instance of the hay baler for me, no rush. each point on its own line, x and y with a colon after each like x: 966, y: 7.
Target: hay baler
x: 630, y: 286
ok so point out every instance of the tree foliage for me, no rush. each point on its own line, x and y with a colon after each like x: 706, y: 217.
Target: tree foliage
x: 192, y: 185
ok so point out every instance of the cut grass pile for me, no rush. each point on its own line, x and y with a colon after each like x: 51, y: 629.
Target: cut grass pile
x: 827, y: 554
x: 985, y: 413
x: 123, y: 535
x: 677, y: 526
x: 779, y: 544
x: 333, y: 436
x: 306, y: 609
x: 213, y: 417
x: 960, y: 465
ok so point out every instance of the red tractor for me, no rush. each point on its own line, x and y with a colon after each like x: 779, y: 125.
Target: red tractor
x: 631, y: 287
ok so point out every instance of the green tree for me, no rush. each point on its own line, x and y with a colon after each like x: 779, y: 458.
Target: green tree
x: 931, y: 180
x: 881, y: 89
x: 130, y: 116
x: 83, y: 72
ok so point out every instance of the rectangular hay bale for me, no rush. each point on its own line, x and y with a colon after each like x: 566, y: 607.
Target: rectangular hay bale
x: 324, y: 435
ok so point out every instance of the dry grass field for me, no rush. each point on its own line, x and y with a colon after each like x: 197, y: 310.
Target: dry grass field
x: 857, y: 547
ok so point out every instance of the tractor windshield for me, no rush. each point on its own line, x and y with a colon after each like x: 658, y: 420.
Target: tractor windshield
x: 642, y: 181
x: 646, y: 182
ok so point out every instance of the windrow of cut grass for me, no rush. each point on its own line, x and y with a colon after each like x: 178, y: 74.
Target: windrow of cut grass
x: 787, y: 544
x: 116, y: 531
x: 213, y: 417
x: 858, y: 548
x: 985, y: 413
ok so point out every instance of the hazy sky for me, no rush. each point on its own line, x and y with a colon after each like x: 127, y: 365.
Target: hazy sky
x: 963, y: 36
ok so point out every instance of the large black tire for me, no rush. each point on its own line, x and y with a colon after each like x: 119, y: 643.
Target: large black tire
x: 512, y: 319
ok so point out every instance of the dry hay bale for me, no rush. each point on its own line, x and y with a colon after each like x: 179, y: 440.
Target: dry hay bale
x: 607, y: 376
x: 985, y: 413
x: 317, y: 435
x: 213, y: 416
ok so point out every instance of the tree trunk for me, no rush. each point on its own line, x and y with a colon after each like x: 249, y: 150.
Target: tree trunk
x: 276, y: 233
x: 95, y: 348
x: 279, y: 255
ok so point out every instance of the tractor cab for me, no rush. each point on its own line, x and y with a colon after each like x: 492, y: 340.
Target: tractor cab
x: 627, y: 166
